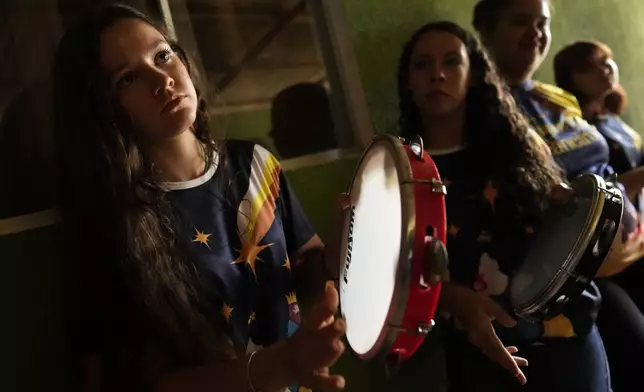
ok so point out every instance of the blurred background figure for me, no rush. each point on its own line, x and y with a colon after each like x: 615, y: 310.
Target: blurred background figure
x: 301, y: 121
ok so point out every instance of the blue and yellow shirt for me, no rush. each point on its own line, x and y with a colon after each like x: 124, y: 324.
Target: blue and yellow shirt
x: 579, y: 148
x: 625, y: 148
x: 555, y: 115
x: 625, y: 144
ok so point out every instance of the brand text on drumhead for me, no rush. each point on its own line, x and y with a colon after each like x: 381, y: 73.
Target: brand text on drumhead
x: 347, y: 262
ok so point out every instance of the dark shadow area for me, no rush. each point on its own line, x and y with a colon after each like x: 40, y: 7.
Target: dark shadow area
x: 301, y: 121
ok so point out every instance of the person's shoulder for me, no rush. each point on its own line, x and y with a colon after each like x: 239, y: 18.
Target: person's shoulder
x: 244, y: 150
x: 255, y: 160
x: 236, y: 147
x: 558, y: 97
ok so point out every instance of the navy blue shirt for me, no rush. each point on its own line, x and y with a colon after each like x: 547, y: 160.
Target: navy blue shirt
x: 486, y: 248
x: 241, y: 226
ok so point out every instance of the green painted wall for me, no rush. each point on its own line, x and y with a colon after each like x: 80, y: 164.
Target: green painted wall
x: 617, y: 23
x: 379, y: 29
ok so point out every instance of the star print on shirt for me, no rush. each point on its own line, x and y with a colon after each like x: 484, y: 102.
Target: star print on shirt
x: 490, y: 193
x: 249, y: 254
x: 226, y: 311
x: 287, y: 264
x: 453, y: 230
x: 257, y: 209
x: 202, y: 238
x: 251, y: 318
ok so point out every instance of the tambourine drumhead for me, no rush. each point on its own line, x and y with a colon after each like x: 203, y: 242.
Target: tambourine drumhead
x: 568, y: 250
x: 551, y: 251
x: 373, y: 244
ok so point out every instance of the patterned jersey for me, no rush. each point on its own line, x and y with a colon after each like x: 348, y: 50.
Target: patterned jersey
x: 241, y: 225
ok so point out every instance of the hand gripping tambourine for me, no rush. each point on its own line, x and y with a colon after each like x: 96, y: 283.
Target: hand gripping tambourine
x: 397, y: 202
x: 568, y: 250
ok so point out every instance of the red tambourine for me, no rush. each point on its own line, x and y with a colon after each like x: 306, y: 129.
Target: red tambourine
x: 397, y: 202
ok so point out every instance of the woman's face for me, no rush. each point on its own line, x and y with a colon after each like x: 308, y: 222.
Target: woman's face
x: 521, y: 38
x: 598, y: 77
x: 148, y: 80
x: 439, y: 74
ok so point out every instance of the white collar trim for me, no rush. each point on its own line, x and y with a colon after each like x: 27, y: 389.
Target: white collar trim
x: 202, y: 179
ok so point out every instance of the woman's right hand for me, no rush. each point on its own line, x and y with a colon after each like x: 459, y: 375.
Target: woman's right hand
x: 317, y: 344
x: 474, y: 312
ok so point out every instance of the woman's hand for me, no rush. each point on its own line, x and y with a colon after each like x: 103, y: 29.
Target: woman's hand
x: 474, y: 312
x: 304, y: 359
x: 317, y: 344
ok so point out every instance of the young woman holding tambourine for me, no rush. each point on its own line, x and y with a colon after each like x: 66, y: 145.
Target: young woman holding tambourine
x: 500, y: 180
x: 188, y: 247
x: 517, y: 35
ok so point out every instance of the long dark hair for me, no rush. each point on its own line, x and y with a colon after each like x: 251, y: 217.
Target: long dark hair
x: 145, y: 287
x: 496, y: 132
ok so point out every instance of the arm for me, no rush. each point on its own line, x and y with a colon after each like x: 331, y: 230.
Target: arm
x: 473, y: 313
x: 270, y: 371
x: 305, y: 357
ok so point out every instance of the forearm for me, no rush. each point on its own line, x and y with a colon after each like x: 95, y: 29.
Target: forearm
x: 269, y: 372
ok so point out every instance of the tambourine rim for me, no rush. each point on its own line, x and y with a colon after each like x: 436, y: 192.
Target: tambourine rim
x: 397, y: 306
x: 574, y: 256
